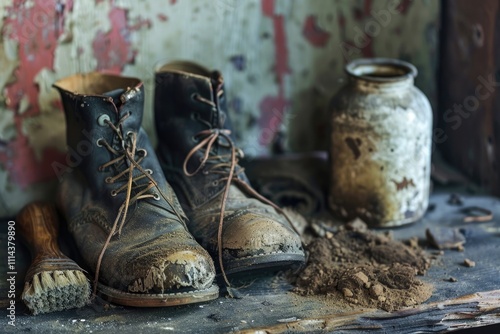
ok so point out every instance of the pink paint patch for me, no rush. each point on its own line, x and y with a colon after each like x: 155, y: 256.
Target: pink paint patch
x: 342, y: 21
x: 367, y: 51
x: 272, y: 108
x: 112, y: 49
x: 173, y: 2
x: 404, y: 6
x: 162, y: 17
x: 368, y: 7
x: 313, y: 33
x: 358, y: 14
x: 268, y: 7
x: 34, y: 29
x: 281, y: 53
x: 272, y: 111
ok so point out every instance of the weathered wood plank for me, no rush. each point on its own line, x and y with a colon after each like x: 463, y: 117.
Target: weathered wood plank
x: 473, y: 300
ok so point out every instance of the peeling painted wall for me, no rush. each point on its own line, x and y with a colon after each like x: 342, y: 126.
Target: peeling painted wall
x: 282, y: 61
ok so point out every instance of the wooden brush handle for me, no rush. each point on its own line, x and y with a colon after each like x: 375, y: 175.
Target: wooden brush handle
x: 38, y: 224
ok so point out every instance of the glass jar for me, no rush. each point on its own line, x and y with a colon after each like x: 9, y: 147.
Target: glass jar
x: 380, y: 145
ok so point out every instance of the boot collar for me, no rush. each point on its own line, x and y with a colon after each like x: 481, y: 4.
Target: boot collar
x: 98, y: 93
x: 210, y: 85
x: 95, y: 84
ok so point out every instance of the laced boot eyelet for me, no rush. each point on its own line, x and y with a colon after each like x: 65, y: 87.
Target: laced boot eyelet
x: 215, y: 183
x: 205, y: 172
x: 108, y: 180
x: 99, y: 142
x: 103, y: 120
x: 113, y: 193
x: 156, y: 197
x: 143, y: 152
x: 149, y: 171
x: 129, y: 133
x: 194, y: 139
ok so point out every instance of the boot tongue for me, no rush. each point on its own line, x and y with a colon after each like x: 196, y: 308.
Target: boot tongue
x: 217, y: 81
x: 116, y: 96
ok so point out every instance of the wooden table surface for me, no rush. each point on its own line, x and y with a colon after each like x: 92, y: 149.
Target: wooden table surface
x: 268, y: 306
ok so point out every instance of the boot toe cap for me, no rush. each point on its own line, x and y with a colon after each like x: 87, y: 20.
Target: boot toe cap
x: 257, y: 236
x: 181, y: 270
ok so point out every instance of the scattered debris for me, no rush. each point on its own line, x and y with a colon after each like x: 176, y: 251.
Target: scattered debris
x: 288, y: 319
x: 455, y: 199
x: 365, y: 268
x: 476, y: 214
x: 347, y: 293
x: 431, y: 207
x: 451, y: 279
x: 445, y: 237
x: 356, y: 225
x: 413, y: 242
x: 469, y: 263
x: 266, y: 303
x: 215, y: 317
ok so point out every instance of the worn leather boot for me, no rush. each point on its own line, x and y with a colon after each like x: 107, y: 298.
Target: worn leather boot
x: 126, y: 220
x: 200, y: 160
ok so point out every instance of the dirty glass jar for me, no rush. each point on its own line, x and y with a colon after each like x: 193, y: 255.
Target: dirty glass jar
x: 380, y: 145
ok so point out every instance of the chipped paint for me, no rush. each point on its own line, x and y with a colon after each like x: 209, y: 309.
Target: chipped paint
x: 404, y: 6
x: 313, y: 33
x: 112, y: 49
x: 32, y: 28
x: 273, y: 107
x: 239, y: 62
x: 281, y: 59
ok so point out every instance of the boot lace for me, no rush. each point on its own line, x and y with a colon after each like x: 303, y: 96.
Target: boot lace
x: 127, y: 159
x: 226, y: 165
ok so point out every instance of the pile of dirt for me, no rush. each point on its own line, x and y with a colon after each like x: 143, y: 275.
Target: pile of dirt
x: 366, y: 269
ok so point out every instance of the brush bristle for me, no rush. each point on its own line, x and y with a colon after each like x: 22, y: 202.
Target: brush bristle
x: 51, y: 291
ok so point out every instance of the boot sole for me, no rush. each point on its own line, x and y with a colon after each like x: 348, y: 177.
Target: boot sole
x: 264, y: 262
x: 157, y: 300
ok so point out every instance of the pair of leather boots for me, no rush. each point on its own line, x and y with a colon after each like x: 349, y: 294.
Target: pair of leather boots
x: 142, y: 222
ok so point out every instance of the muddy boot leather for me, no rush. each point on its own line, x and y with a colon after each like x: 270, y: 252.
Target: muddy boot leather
x: 195, y: 150
x: 154, y: 252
